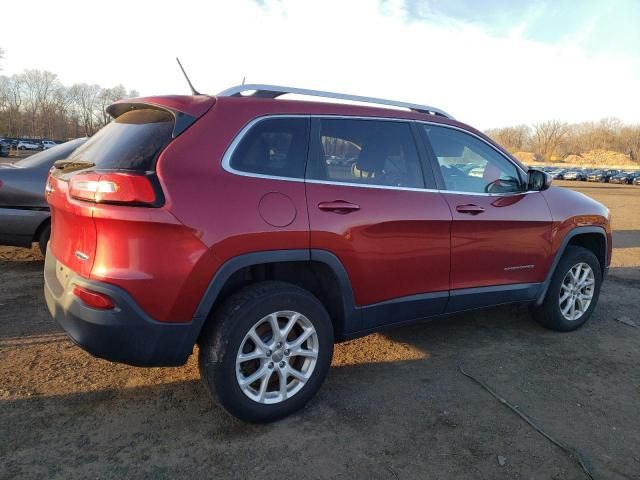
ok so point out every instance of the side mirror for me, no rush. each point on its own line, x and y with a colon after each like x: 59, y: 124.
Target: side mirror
x: 538, y: 180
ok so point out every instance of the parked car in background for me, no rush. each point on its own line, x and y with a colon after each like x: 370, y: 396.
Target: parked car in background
x: 28, y: 145
x: 47, y: 144
x: 24, y: 212
x: 636, y: 180
x: 558, y: 174
x: 602, y: 176
x: 594, y: 176
x: 623, y: 178
x: 576, y: 174
x: 5, y: 148
x: 225, y: 221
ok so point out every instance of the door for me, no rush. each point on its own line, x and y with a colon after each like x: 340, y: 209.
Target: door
x: 501, y: 233
x: 369, y: 205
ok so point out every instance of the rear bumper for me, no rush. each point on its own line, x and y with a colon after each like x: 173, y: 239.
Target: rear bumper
x: 123, y: 334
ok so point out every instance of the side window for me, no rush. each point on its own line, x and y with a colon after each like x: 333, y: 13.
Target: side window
x: 374, y: 152
x: 470, y: 165
x: 275, y: 146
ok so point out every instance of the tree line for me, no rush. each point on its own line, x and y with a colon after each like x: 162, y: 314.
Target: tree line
x: 554, y: 139
x: 35, y: 104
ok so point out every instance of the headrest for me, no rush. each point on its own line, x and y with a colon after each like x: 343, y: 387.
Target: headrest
x: 491, y: 173
x: 373, y: 155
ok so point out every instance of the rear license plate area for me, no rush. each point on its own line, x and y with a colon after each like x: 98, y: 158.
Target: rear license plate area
x: 62, y: 274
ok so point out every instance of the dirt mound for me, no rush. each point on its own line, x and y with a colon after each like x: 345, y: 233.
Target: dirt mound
x: 606, y: 157
x: 574, y: 159
x: 526, y: 157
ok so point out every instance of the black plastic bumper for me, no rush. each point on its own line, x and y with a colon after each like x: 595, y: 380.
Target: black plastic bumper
x: 123, y: 334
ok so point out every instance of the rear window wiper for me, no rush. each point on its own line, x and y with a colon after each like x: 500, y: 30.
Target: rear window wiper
x: 64, y: 164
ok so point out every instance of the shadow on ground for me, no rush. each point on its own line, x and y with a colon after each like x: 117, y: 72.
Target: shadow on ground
x: 376, y: 419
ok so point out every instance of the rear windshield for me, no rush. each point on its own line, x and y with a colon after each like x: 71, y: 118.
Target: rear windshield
x: 132, y: 141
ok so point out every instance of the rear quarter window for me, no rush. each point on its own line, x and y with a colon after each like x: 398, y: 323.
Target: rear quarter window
x: 274, y: 147
x: 132, y: 141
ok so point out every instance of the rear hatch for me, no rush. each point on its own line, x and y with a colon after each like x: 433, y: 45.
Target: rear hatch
x: 115, y: 168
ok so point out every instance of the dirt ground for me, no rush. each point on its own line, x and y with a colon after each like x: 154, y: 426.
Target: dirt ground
x: 394, y: 405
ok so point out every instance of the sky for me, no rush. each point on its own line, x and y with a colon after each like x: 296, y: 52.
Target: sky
x: 489, y: 63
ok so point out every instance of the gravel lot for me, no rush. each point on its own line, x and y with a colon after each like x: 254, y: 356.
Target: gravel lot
x: 394, y: 405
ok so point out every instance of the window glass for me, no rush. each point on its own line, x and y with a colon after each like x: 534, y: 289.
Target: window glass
x: 470, y: 165
x: 276, y: 146
x: 132, y: 141
x: 374, y: 152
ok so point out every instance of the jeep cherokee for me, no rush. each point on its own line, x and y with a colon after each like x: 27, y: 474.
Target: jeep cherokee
x: 264, y: 230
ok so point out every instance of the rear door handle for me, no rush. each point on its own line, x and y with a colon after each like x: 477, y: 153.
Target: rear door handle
x: 470, y: 209
x: 338, y: 206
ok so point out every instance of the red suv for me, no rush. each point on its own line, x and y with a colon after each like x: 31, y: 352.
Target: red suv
x: 264, y: 230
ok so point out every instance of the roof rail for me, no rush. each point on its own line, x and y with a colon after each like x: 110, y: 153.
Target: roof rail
x: 274, y: 91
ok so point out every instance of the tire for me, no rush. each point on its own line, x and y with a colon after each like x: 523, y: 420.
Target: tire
x: 228, y: 331
x: 550, y: 314
x: 43, y: 238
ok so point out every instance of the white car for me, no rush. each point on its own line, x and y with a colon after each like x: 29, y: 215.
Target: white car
x: 46, y: 144
x: 22, y: 145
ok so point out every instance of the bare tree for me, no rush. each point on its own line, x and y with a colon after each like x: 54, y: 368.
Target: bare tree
x: 35, y: 103
x: 106, y: 97
x: 86, y: 106
x: 513, y: 138
x: 38, y: 87
x: 547, y: 136
x: 11, y: 99
x: 630, y: 142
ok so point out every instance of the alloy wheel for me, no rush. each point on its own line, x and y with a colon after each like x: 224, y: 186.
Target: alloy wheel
x: 277, y: 357
x: 576, y: 291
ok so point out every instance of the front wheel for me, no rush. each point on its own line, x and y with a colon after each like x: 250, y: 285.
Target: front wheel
x: 573, y: 292
x: 266, y: 351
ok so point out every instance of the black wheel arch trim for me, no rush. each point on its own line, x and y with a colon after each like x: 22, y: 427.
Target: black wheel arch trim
x: 352, y: 315
x: 565, y: 242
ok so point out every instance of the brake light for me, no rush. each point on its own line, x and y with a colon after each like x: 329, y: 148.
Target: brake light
x: 129, y: 188
x: 93, y: 299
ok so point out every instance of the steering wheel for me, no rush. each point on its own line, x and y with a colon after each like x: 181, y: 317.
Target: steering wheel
x: 494, y: 187
x: 503, y: 185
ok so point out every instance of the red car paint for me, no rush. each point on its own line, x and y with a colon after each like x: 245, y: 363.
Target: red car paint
x: 397, y: 244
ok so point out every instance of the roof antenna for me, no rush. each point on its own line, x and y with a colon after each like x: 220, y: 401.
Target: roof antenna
x: 193, y: 90
x: 243, y: 79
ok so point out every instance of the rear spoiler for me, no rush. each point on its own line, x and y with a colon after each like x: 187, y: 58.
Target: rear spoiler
x: 185, y: 109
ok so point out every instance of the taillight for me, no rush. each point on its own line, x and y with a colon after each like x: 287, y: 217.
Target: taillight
x: 129, y: 188
x: 93, y: 299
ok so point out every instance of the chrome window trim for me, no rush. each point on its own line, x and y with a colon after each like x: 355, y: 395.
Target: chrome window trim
x: 368, y: 185
x: 226, y: 158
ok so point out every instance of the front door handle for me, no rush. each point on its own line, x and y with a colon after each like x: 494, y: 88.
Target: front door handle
x: 338, y: 206
x: 470, y: 209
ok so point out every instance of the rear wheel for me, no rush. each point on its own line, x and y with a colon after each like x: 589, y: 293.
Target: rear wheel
x: 573, y: 291
x: 266, y: 351
x: 43, y: 238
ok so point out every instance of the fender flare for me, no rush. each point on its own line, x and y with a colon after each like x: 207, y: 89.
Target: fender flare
x: 352, y: 315
x: 563, y: 246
